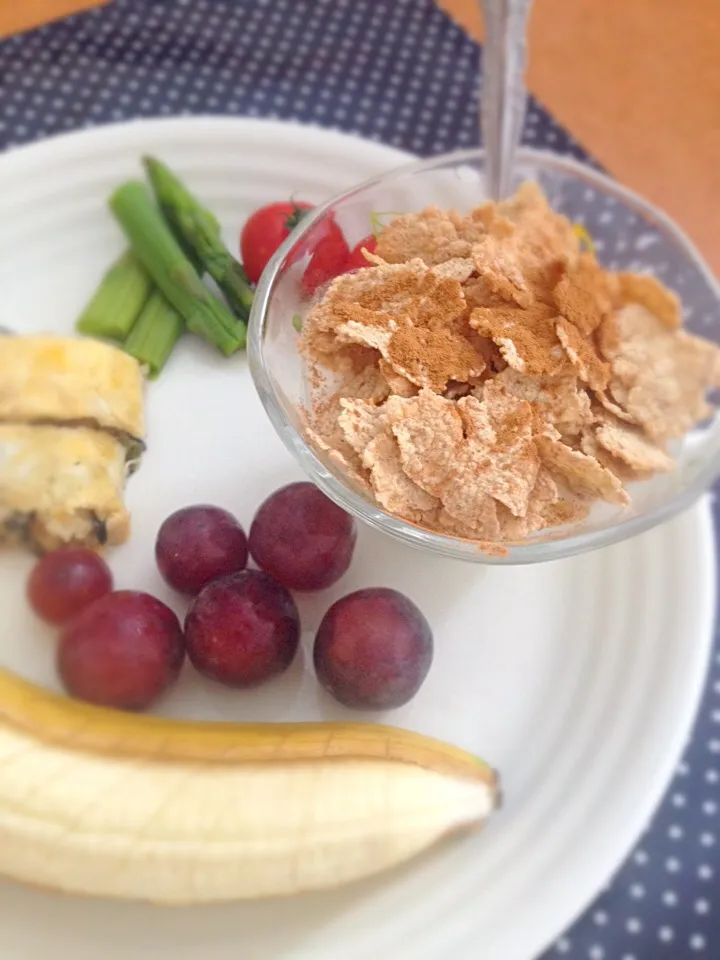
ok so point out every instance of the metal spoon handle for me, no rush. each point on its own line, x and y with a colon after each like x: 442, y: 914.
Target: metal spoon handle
x: 503, y: 94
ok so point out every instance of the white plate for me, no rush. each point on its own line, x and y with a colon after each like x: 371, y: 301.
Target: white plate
x: 578, y: 680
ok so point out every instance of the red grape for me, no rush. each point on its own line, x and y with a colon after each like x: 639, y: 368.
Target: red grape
x: 373, y: 649
x: 123, y: 651
x: 65, y: 582
x: 243, y: 629
x: 301, y: 538
x: 196, y: 545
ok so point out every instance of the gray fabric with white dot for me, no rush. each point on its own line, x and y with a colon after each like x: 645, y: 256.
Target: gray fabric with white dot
x: 396, y: 71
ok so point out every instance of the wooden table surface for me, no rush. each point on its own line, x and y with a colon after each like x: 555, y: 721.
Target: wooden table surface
x: 17, y: 15
x: 637, y: 82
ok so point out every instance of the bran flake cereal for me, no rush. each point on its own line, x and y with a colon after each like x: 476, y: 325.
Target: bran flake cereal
x: 429, y: 433
x: 589, y: 445
x: 645, y: 290
x: 582, y: 355
x: 498, y: 263
x: 630, y: 445
x: 485, y: 379
x: 431, y: 236
x: 560, y: 401
x: 583, y: 474
x: 659, y: 375
x: 582, y: 295
x: 527, y: 338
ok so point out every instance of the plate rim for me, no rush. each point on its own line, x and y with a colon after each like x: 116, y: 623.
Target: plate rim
x: 17, y: 154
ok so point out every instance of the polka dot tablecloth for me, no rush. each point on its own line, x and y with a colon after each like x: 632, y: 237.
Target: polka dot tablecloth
x: 396, y: 71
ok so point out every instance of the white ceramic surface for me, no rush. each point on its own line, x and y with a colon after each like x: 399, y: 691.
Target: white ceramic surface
x: 577, y: 679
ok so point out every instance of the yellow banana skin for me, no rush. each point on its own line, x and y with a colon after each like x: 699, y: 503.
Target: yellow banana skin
x: 110, y: 804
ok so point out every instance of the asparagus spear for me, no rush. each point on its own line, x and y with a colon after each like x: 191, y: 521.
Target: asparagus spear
x: 155, y: 333
x: 198, y: 230
x: 118, y: 300
x: 158, y: 251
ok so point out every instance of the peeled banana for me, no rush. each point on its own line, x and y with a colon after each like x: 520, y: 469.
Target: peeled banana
x: 109, y: 804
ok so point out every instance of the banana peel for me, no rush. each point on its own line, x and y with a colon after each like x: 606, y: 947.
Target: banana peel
x: 104, y: 803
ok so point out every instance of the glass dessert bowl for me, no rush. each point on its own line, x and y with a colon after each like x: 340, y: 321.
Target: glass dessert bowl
x: 627, y: 235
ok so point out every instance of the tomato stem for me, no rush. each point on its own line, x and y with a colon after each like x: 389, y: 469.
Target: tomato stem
x: 296, y: 216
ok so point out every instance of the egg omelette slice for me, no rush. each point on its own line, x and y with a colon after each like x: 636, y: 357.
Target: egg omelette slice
x: 61, y: 486
x: 78, y: 381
